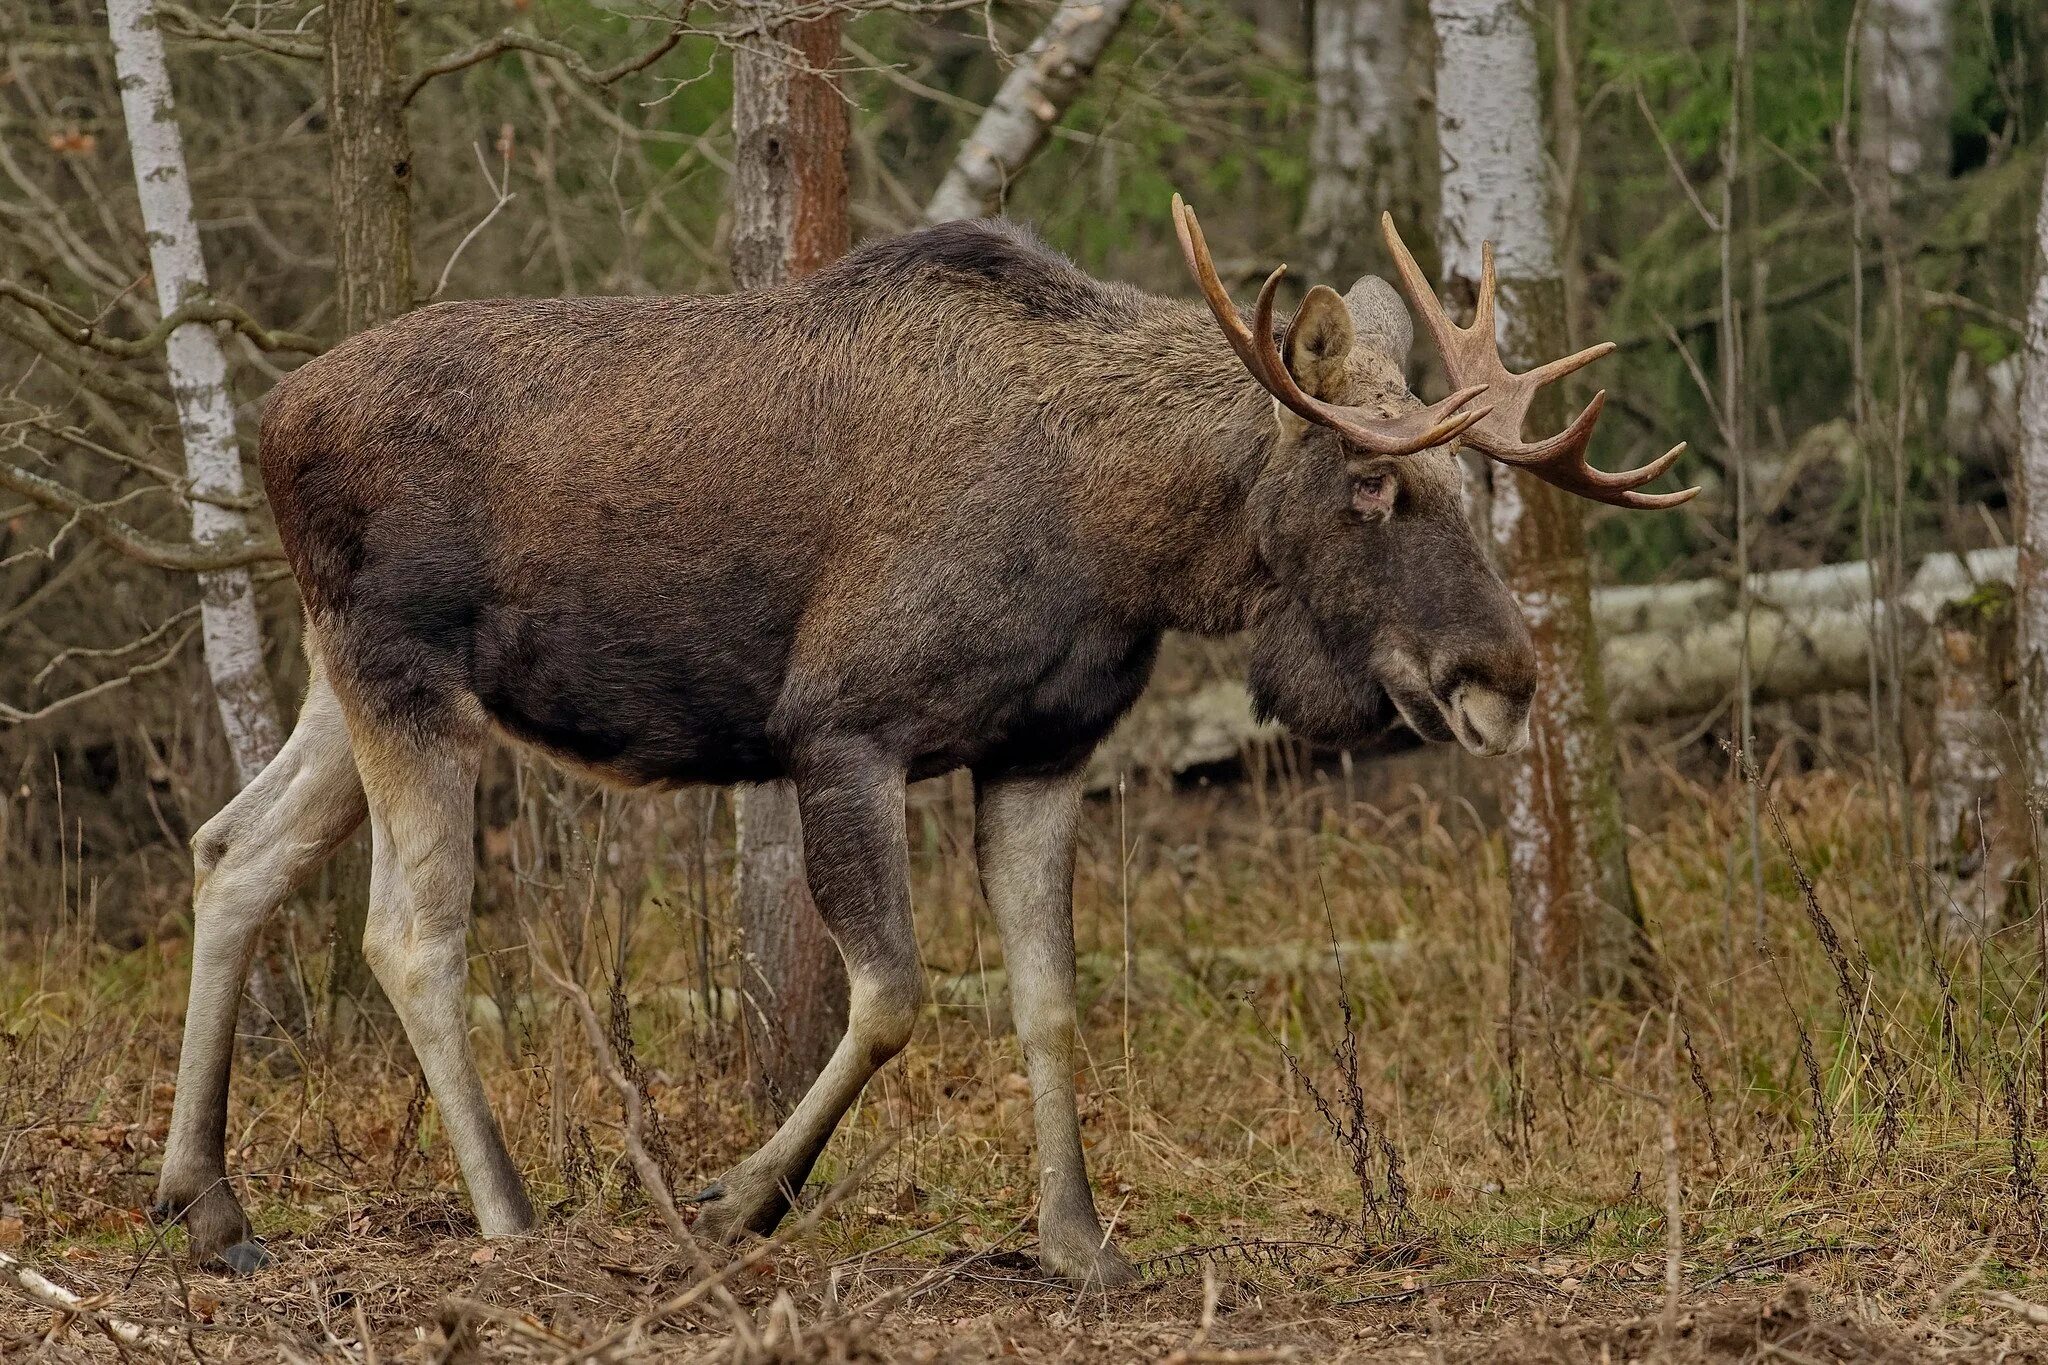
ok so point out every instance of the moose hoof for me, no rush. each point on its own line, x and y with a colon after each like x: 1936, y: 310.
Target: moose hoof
x: 1088, y: 1265
x: 737, y: 1204
x: 216, y: 1229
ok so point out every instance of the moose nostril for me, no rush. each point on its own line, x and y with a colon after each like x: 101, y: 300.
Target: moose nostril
x: 1487, y: 719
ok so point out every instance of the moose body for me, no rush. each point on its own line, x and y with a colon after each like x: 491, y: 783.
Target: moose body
x: 929, y: 508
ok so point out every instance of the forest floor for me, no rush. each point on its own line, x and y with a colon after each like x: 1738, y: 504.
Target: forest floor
x: 1852, y: 1157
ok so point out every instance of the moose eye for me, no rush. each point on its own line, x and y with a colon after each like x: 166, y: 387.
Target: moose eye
x: 1372, y: 495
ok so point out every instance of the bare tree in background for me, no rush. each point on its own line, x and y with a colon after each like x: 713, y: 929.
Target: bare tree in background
x: 789, y: 196
x: 1574, y: 902
x: 1903, y: 53
x: 370, y: 170
x: 1034, y: 97
x: 370, y: 164
x: 230, y: 626
x: 1358, y: 161
x: 2033, y: 527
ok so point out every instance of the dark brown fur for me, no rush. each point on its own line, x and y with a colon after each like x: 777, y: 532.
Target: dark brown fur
x: 944, y: 496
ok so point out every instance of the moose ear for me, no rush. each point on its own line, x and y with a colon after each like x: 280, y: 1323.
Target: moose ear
x: 1319, y: 344
x: 1381, y: 317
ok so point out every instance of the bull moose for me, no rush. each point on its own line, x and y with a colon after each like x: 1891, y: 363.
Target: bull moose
x: 929, y: 508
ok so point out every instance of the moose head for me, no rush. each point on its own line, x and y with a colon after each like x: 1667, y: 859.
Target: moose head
x: 1386, y: 595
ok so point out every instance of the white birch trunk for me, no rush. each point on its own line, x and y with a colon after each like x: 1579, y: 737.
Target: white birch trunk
x: 1033, y: 98
x: 1356, y: 166
x: 1490, y: 143
x: 2033, y: 532
x: 1904, y: 55
x: 232, y: 630
x: 1574, y: 903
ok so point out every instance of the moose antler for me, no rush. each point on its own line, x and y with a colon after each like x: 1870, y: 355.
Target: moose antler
x: 1400, y: 435
x: 1472, y: 356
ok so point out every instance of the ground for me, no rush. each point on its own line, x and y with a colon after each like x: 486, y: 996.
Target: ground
x: 1849, y: 1151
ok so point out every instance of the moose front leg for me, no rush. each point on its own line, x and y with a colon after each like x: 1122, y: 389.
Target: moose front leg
x: 858, y: 865
x: 1024, y: 845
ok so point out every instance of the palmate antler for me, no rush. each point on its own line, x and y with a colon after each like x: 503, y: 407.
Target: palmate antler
x: 1400, y: 435
x: 1472, y: 356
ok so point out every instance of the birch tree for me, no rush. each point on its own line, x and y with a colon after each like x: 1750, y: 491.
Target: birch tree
x: 229, y: 624
x: 1358, y: 163
x: 231, y: 628
x: 2033, y: 529
x: 1574, y: 902
x: 789, y: 191
x: 1034, y: 97
x: 1903, y: 52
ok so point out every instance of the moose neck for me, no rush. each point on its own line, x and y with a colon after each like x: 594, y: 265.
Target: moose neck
x: 1172, y: 434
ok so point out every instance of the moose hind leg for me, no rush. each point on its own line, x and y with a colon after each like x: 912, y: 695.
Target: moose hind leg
x: 246, y: 861
x: 859, y: 870
x: 422, y: 797
x: 1024, y: 846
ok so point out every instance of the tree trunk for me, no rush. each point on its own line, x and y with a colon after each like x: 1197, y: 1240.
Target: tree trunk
x: 1358, y: 163
x: 230, y: 625
x: 370, y: 170
x: 1575, y: 911
x: 789, y: 218
x: 2033, y: 529
x: 370, y: 164
x: 1034, y: 97
x: 1976, y: 820
x: 1903, y: 53
x: 199, y: 381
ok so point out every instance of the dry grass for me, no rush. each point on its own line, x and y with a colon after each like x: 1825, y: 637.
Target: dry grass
x: 1866, y: 1125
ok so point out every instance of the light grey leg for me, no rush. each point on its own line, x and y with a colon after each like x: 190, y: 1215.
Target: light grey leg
x: 422, y: 799
x: 246, y: 860
x: 1024, y: 844
x: 859, y: 869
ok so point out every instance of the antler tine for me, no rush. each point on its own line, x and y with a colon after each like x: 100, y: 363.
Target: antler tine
x: 1564, y: 365
x: 1618, y: 490
x: 1255, y: 346
x: 1482, y: 308
x: 1560, y: 461
x: 1195, y: 250
x: 1569, y: 444
x: 1421, y: 297
x: 1472, y: 355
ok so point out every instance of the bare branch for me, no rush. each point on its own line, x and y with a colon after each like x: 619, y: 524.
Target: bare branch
x: 13, y: 716
x: 183, y: 23
x: 79, y: 332
x: 572, y: 62
x: 136, y: 545
x: 71, y: 652
x: 500, y: 187
x: 644, y: 1165
x: 95, y: 379
x: 568, y: 58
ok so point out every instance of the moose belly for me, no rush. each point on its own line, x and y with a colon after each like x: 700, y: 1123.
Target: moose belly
x: 1051, y: 716
x: 637, y: 703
